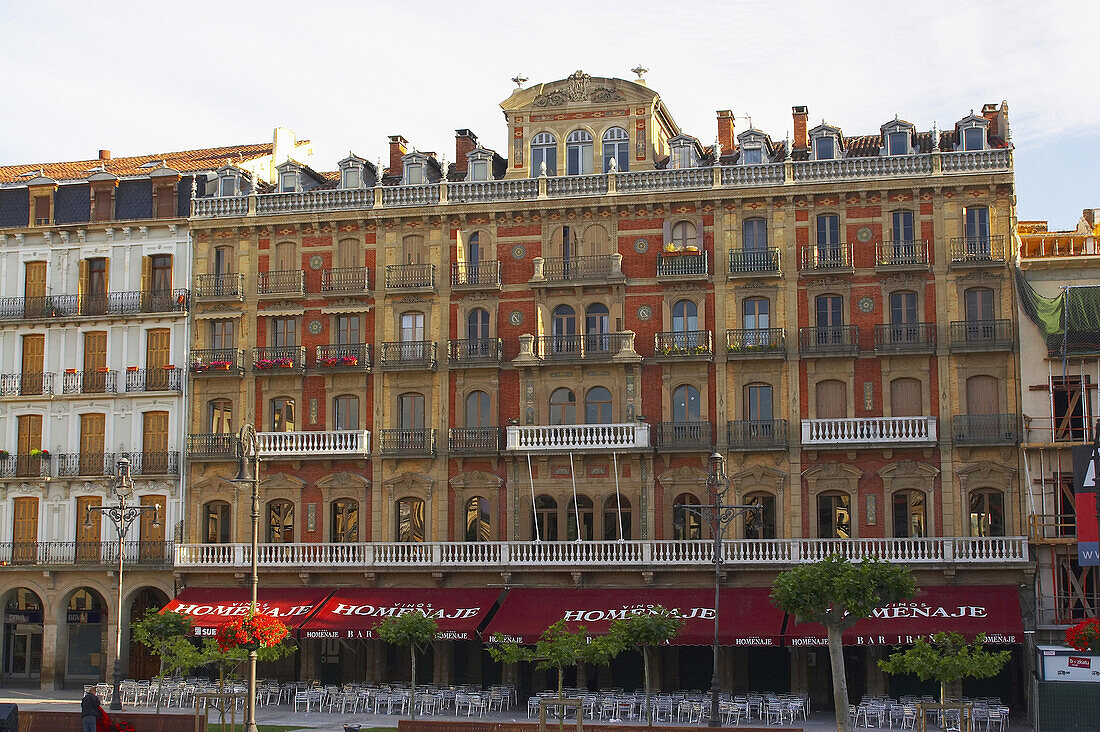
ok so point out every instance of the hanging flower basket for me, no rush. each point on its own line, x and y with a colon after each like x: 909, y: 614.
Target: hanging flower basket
x: 251, y: 633
x: 1085, y: 635
x: 331, y: 361
x: 274, y: 363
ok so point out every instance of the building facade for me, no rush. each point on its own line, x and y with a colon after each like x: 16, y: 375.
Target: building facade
x: 95, y: 274
x: 509, y: 372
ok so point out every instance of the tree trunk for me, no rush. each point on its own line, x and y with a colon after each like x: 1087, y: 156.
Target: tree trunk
x: 412, y: 691
x: 561, y: 695
x: 645, y: 669
x: 840, y: 681
x: 943, y: 692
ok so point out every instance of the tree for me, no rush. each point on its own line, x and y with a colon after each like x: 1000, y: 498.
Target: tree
x: 642, y: 632
x: 168, y: 637
x: 837, y: 593
x: 947, y: 658
x: 415, y: 630
x: 228, y: 660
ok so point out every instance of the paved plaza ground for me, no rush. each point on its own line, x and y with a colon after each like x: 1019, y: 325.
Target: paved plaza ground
x: 285, y: 716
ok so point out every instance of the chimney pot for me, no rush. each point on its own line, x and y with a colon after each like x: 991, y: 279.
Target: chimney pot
x: 465, y: 142
x: 397, y: 151
x: 725, y: 130
x: 801, y: 133
x: 104, y: 154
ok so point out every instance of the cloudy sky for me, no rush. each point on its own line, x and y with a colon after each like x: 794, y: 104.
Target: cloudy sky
x: 146, y: 77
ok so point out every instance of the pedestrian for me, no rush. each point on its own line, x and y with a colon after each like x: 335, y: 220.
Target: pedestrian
x: 89, y: 712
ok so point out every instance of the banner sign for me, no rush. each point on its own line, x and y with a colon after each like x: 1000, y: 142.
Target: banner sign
x: 1084, y: 494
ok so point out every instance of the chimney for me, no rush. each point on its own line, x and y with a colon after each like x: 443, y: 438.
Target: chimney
x: 725, y: 130
x: 990, y: 112
x: 397, y: 151
x: 465, y: 142
x: 801, y: 134
x: 104, y: 154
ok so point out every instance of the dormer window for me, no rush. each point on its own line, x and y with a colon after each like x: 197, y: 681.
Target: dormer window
x: 827, y: 142
x: 354, y: 172
x: 897, y: 143
x: 479, y: 170
x: 752, y: 155
x: 824, y: 148
x: 973, y: 138
x: 684, y: 152
x: 414, y: 174
x: 229, y: 181
x: 288, y: 182
x: 479, y: 163
x: 351, y: 178
x: 753, y: 146
x: 972, y: 133
x: 897, y: 138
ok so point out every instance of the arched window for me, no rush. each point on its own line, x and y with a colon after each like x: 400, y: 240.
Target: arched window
x: 578, y: 153
x: 280, y: 522
x: 563, y: 324
x: 686, y: 405
x: 285, y: 261
x: 614, y: 509
x: 987, y: 513
x: 686, y: 336
x: 413, y: 250
x: 345, y: 412
x: 908, y: 514
x: 762, y: 526
x: 597, y: 327
x: 596, y: 241
x: 834, y: 516
x: 409, y: 521
x: 544, y: 150
x: 477, y: 324
x: 544, y: 525
x: 683, y: 234
x: 477, y: 410
x: 597, y: 406
x: 282, y: 415
x: 686, y: 524
x: 580, y: 507
x: 563, y: 407
x: 478, y: 525
x: 220, y: 412
x: 616, y: 146
x: 410, y: 411
x: 345, y: 521
x: 215, y: 523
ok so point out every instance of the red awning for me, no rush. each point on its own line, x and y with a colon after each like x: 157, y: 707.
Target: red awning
x: 969, y: 610
x: 747, y: 616
x: 353, y: 612
x: 212, y: 607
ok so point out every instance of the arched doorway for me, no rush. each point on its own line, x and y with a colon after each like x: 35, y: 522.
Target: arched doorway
x: 22, y: 638
x: 86, y: 620
x: 142, y: 663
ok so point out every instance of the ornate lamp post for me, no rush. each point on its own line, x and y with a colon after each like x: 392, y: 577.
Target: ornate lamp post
x: 122, y: 516
x: 248, y: 472
x: 718, y: 515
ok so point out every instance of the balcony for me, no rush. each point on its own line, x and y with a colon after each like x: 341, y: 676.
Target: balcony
x: 329, y: 199
x: 576, y: 185
x: 684, y: 437
x: 211, y: 446
x: 757, y: 434
x: 100, y: 381
x: 53, y: 307
x: 316, y: 445
x: 863, y: 432
x: 418, y: 355
x: 590, y: 347
x: 229, y: 286
x: 25, y: 466
x: 678, y: 267
x: 420, y: 195
x: 985, y: 429
x: 95, y: 553
x: 578, y: 438
x: 281, y: 283
x: 279, y: 360
x: 827, y: 259
x: 155, y: 463
x: 90, y: 464
x: 836, y: 340
x: 473, y: 440
x: 981, y: 335
x: 756, y: 343
x: 411, y: 443
x: 162, y: 379
x: 599, y: 269
x: 905, y: 338
x: 683, y: 345
x: 519, y: 189
x: 217, y: 361
x: 410, y: 276
x: 901, y: 255
x: 474, y: 352
x: 26, y: 384
x: 978, y: 251
x: 621, y: 555
x: 754, y: 262
x: 345, y: 281
x: 343, y: 357
x: 475, y: 275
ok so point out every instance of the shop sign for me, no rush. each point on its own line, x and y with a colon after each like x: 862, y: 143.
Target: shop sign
x: 17, y: 617
x: 1071, y: 667
x: 83, y: 616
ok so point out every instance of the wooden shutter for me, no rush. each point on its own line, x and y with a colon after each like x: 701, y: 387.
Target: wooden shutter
x: 166, y: 202
x: 82, y: 280
x: 25, y: 533
x: 95, y: 350
x: 87, y: 536
x: 832, y: 399
x: 34, y: 283
x: 92, y: 441
x: 146, y: 274
x: 34, y: 346
x: 41, y: 210
x: 103, y: 204
x: 905, y: 398
x: 30, y: 438
x: 347, y: 253
x: 981, y: 395
x: 284, y: 257
x: 154, y: 442
x: 412, y: 249
x: 157, y: 355
x: 152, y: 537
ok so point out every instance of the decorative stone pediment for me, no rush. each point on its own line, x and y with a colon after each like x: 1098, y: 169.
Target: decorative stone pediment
x: 215, y: 483
x: 580, y: 87
x: 683, y: 476
x: 280, y: 481
x: 409, y: 483
x: 758, y: 476
x: 344, y: 480
x: 985, y: 474
x: 476, y: 479
x: 832, y: 476
x: 908, y: 475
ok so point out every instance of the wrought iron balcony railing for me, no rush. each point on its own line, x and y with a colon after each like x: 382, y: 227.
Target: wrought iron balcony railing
x: 475, y: 352
x: 275, y: 360
x: 219, y: 286
x: 985, y: 429
x: 473, y: 440
x: 98, y: 553
x: 286, y: 282
x: 211, y: 445
x: 683, y: 344
x: 754, y: 261
x: 902, y: 254
x: 165, y: 462
x: 982, y: 335
x: 217, y: 361
x: 757, y: 434
x: 345, y: 280
x: 97, y: 464
x: 826, y: 257
x: 683, y: 266
x: 834, y: 340
x: 26, y: 384
x: 408, y: 442
x: 409, y: 354
x: 978, y: 250
x: 94, y: 304
x: 588, y: 347
x: 162, y: 379
x: 905, y: 337
x: 596, y: 268
x: 25, y: 466
x: 749, y: 342
x: 100, y: 381
x: 475, y: 275
x: 344, y: 357
x: 686, y: 436
x: 410, y: 276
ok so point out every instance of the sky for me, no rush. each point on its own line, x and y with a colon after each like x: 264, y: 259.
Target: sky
x: 147, y: 77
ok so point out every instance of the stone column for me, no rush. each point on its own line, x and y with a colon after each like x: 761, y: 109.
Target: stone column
x: 53, y: 654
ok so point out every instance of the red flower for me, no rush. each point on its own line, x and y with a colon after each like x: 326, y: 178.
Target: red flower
x: 1082, y: 635
x: 261, y: 630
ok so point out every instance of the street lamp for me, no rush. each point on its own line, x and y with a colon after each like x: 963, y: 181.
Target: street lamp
x: 718, y: 515
x: 122, y: 516
x: 248, y: 472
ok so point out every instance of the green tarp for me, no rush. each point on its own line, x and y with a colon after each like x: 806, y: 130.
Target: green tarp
x: 1070, y: 322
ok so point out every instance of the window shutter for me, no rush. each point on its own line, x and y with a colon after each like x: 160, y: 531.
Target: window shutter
x: 82, y: 284
x: 699, y: 236
x: 667, y: 233
x: 146, y: 273
x: 41, y: 209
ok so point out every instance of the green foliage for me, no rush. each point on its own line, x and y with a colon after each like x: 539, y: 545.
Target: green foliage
x: 411, y: 629
x: 947, y: 658
x: 227, y: 662
x: 557, y: 648
x: 168, y: 636
x: 837, y: 593
x: 653, y: 628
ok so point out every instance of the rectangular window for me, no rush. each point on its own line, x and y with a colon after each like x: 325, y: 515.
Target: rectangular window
x: 903, y: 308
x: 978, y: 304
x: 903, y: 226
x: 288, y: 182
x: 974, y: 138
x: 347, y: 330
x: 228, y: 186
x: 32, y: 377
x: 166, y: 202
x: 754, y: 235
x: 160, y: 272
x: 977, y: 223
x: 412, y: 327
x: 221, y: 417
x: 41, y: 210
x: 103, y: 205
x: 752, y: 156
x: 410, y: 411
x: 222, y: 333
x: 823, y: 148
x: 828, y: 241
x: 758, y: 402
x: 755, y: 315
x: 829, y: 311
x: 479, y: 170
x: 282, y: 415
x: 350, y: 177
x: 899, y: 143
x: 345, y: 413
x: 414, y: 175
x: 283, y: 332
x: 34, y: 282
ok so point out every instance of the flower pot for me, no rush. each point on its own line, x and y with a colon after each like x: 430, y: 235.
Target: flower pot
x: 250, y: 646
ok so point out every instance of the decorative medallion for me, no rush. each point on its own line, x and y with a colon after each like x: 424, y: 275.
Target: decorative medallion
x: 864, y: 234
x: 315, y: 326
x: 519, y: 251
x: 515, y: 317
x: 315, y: 262
x: 645, y: 312
x: 866, y: 304
x: 641, y: 246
